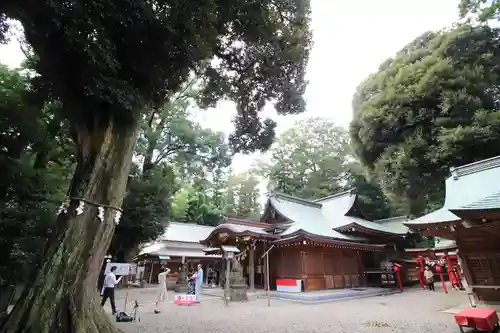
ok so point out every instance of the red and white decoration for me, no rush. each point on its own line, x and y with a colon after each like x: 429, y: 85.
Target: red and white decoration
x: 290, y: 286
x: 185, y: 300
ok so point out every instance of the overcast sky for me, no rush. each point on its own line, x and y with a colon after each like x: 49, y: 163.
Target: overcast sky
x: 351, y: 38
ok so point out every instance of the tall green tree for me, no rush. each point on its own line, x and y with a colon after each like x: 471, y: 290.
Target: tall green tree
x: 35, y: 163
x: 171, y: 152
x: 241, y: 197
x: 483, y: 10
x: 192, y: 204
x: 146, y: 210
x: 433, y: 106
x: 313, y: 159
x: 109, y: 62
x: 169, y: 135
x: 310, y: 159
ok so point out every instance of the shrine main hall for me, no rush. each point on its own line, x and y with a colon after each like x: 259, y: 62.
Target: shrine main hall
x: 324, y: 244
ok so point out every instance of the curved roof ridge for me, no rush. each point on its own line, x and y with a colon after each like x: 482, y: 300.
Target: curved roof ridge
x: 350, y: 191
x: 474, y: 167
x: 190, y: 224
x: 392, y: 219
x: 287, y: 197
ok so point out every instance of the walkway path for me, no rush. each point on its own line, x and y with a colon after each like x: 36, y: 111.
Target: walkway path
x: 415, y: 311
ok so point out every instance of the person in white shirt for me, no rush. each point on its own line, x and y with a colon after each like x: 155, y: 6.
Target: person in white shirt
x: 108, y: 288
x: 162, y: 283
x: 429, y: 277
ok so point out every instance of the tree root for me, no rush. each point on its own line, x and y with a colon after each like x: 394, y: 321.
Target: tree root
x: 91, y: 320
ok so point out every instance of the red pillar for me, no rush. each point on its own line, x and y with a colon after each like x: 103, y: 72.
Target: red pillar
x: 397, y: 269
x: 439, y: 269
x: 420, y: 261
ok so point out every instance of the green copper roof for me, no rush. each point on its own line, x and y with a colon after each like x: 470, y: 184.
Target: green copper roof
x: 474, y: 185
x: 327, y: 216
x: 490, y: 202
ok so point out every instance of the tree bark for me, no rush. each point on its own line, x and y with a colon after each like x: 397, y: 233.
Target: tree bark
x: 63, y: 297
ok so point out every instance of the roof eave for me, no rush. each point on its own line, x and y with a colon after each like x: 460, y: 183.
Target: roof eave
x: 360, y: 228
x: 470, y: 213
x: 427, y: 225
x: 236, y: 234
x: 327, y: 240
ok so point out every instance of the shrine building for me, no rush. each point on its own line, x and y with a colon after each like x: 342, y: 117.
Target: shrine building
x: 321, y: 244
x: 471, y: 217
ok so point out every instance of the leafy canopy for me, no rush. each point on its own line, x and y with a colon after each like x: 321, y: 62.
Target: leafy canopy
x: 433, y: 106
x: 313, y: 159
x: 129, y: 55
x: 309, y: 159
x: 35, y: 163
x: 483, y: 10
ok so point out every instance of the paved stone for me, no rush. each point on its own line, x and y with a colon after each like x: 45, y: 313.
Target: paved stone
x: 412, y: 311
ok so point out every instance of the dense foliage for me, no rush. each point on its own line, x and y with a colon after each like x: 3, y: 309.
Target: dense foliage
x: 433, y: 106
x: 36, y: 159
x: 313, y: 159
x: 136, y: 53
x: 482, y: 10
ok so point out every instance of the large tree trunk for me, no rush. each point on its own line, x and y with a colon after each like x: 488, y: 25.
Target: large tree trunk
x: 62, y: 298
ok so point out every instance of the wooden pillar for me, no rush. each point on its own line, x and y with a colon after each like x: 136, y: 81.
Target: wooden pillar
x: 465, y: 268
x: 151, y: 272
x: 264, y: 269
x: 251, y: 268
x: 206, y: 272
x: 227, y: 290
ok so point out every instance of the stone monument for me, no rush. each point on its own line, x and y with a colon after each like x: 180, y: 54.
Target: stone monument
x: 181, y: 286
x: 237, y: 283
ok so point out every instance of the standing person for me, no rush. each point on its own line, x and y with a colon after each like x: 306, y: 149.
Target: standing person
x: 191, y: 283
x: 199, y: 281
x: 162, y: 283
x: 100, y: 280
x: 429, y: 278
x: 108, y: 288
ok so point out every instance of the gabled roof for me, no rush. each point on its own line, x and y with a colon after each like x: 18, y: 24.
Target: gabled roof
x: 163, y: 249
x: 327, y: 217
x: 305, y: 215
x: 442, y: 215
x: 395, y: 223
x: 185, y: 232
x: 471, y: 185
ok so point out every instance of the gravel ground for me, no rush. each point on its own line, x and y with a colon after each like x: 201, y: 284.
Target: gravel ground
x: 412, y: 311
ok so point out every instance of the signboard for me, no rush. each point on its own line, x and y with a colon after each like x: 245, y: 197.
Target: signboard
x: 185, y: 299
x: 441, y: 262
x: 121, y: 268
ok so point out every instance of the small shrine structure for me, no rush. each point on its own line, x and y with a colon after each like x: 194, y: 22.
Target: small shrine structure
x: 178, y: 249
x: 235, y: 287
x: 443, y: 255
x: 471, y: 217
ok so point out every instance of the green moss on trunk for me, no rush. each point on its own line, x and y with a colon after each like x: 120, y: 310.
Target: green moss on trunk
x: 63, y: 297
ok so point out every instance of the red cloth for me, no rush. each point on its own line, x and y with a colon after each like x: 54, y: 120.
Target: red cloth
x: 482, y: 319
x: 286, y: 283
